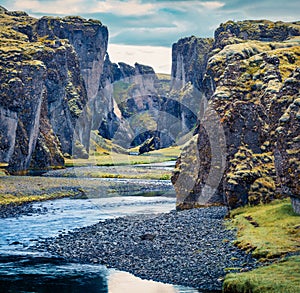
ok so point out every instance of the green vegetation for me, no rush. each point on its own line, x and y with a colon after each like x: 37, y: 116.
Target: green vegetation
x: 280, y: 277
x: 128, y: 172
x: 105, y: 153
x: 277, y: 233
x: 121, y: 90
x: 163, y: 76
x: 268, y: 231
x: 13, y: 199
x: 256, y: 173
x: 3, y: 172
x: 143, y: 120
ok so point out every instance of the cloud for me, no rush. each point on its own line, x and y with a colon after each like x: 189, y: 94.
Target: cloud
x: 212, y: 5
x: 130, y: 7
x: 157, y: 57
x: 46, y: 7
x: 160, y: 22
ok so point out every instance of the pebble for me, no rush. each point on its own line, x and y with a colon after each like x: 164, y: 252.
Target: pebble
x: 191, y: 248
x: 17, y: 210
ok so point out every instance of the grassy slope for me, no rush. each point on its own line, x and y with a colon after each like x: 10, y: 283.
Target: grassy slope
x: 268, y: 231
x: 105, y: 158
x: 281, y: 277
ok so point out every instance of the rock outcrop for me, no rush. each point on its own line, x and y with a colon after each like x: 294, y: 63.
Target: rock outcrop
x: 251, y: 82
x: 74, y: 89
x: 287, y: 152
x: 50, y: 68
x: 138, y: 108
x: 189, y: 59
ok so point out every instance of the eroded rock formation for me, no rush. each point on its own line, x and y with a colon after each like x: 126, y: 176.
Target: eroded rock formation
x: 251, y: 81
x: 50, y: 68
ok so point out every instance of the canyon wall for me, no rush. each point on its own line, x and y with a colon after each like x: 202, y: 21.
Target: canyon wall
x: 50, y: 68
x: 251, y: 85
x: 59, y: 84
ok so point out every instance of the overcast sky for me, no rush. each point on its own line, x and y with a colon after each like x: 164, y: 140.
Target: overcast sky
x: 149, y: 27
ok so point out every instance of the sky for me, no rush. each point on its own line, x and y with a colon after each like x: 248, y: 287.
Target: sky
x: 144, y: 30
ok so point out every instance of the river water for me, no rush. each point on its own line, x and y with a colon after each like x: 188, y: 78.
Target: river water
x: 24, y: 270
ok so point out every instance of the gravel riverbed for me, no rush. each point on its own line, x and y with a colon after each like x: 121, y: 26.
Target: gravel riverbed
x: 191, y: 248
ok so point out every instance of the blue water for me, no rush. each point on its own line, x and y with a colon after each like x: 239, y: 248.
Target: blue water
x: 23, y: 270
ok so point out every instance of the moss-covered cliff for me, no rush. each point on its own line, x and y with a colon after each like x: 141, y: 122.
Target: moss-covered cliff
x: 251, y: 81
x: 137, y: 107
x: 50, y: 68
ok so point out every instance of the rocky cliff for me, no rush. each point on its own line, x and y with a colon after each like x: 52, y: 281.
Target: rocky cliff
x: 251, y: 85
x: 138, y: 108
x: 189, y: 59
x: 71, y: 87
x: 50, y: 68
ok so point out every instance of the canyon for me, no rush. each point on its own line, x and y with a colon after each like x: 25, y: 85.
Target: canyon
x: 232, y: 101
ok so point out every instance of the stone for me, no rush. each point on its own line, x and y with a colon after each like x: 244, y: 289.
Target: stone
x: 255, y: 100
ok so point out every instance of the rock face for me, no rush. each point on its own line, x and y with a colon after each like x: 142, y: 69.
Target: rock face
x: 71, y: 87
x: 50, y: 68
x: 89, y: 40
x: 288, y: 135
x: 251, y: 83
x: 138, y: 108
x: 189, y: 59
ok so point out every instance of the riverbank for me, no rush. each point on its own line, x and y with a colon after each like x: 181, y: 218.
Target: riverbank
x: 83, y: 181
x: 154, y: 171
x: 107, y: 157
x: 17, y: 193
x: 190, y: 248
x: 269, y: 232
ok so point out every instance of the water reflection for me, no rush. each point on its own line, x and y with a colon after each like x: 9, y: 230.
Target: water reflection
x: 122, y: 282
x: 21, y: 270
x: 24, y: 273
x: 48, y: 275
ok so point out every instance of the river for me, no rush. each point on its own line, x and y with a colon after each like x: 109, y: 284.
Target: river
x: 25, y: 270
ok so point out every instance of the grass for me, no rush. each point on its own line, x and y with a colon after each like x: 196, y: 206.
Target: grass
x: 103, y: 158
x: 281, y: 277
x: 270, y: 232
x: 278, y: 230
x: 3, y: 172
x: 6, y: 199
x: 126, y: 171
x: 163, y: 76
x: 159, y: 175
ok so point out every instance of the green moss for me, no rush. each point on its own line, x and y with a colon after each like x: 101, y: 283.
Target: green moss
x: 79, y: 150
x: 6, y: 199
x: 277, y: 232
x: 121, y: 90
x: 143, y: 120
x: 281, y: 277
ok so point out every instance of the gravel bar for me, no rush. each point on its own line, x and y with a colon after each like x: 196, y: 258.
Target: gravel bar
x: 191, y: 248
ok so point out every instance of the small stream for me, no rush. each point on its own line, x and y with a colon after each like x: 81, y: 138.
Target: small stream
x: 25, y: 270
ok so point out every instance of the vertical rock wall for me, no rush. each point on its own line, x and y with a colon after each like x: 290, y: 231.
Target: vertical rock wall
x: 250, y: 80
x: 56, y: 63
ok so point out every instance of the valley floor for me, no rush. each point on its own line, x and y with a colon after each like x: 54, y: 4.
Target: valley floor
x: 189, y: 247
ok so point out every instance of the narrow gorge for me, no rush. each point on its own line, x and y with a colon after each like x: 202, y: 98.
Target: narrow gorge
x: 189, y: 178
x: 235, y: 96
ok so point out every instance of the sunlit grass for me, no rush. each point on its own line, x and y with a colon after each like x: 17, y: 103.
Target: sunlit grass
x: 116, y: 159
x: 268, y: 231
x: 278, y: 230
x: 6, y: 199
x: 281, y: 277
